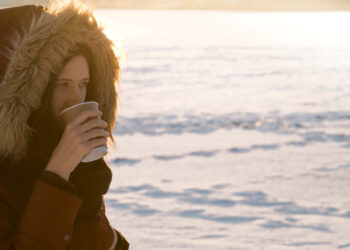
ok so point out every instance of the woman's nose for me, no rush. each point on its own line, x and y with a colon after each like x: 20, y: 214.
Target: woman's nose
x: 76, y: 96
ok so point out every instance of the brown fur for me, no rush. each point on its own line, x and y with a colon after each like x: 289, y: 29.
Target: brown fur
x: 38, y: 51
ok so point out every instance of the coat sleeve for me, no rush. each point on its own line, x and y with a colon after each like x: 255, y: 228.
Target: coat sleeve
x: 47, y: 222
x: 122, y: 243
x: 100, y: 233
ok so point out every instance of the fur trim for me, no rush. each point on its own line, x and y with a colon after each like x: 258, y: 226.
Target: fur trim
x: 39, y: 51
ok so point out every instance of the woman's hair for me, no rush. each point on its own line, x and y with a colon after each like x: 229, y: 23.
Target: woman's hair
x: 46, y: 131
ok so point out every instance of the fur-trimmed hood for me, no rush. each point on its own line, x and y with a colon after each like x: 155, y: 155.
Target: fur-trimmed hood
x: 35, y: 52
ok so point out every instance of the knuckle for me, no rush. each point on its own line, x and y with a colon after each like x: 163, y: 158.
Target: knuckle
x: 95, y: 131
x: 98, y: 123
x: 89, y: 124
x: 81, y: 140
x: 69, y: 127
x: 85, y: 146
x: 74, y: 133
x: 81, y: 147
x: 83, y: 113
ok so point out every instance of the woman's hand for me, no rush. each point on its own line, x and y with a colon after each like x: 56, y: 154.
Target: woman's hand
x: 78, y: 138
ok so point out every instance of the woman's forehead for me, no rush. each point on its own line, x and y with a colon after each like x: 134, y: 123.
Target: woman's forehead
x: 76, y: 66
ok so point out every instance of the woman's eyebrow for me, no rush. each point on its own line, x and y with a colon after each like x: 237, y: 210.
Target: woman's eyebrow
x: 69, y: 80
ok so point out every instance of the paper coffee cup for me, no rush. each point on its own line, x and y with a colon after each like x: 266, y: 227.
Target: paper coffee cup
x: 70, y: 113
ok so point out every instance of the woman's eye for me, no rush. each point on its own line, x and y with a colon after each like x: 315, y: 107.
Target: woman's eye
x: 62, y: 84
x: 65, y: 84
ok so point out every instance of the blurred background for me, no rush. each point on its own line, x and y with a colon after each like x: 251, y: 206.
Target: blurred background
x: 233, y: 130
x: 277, y: 5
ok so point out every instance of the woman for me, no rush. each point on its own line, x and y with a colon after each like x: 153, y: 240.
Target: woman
x: 52, y: 58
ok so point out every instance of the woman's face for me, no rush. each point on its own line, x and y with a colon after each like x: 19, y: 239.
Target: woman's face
x: 71, y: 84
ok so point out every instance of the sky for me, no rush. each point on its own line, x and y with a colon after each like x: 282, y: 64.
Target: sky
x: 262, y: 5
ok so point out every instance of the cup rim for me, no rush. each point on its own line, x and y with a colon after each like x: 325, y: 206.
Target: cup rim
x: 75, y: 105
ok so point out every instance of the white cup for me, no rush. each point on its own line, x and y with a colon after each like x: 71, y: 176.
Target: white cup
x: 70, y: 113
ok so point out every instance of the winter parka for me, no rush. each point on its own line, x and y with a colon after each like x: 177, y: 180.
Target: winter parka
x: 34, y: 40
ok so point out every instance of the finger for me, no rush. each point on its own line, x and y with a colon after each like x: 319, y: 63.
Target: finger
x: 95, y: 143
x: 84, y: 115
x: 91, y: 124
x: 93, y: 134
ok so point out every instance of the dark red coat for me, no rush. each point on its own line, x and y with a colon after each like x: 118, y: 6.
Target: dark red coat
x: 46, y: 222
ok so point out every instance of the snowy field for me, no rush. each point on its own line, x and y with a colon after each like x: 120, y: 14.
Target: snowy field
x: 234, y: 130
